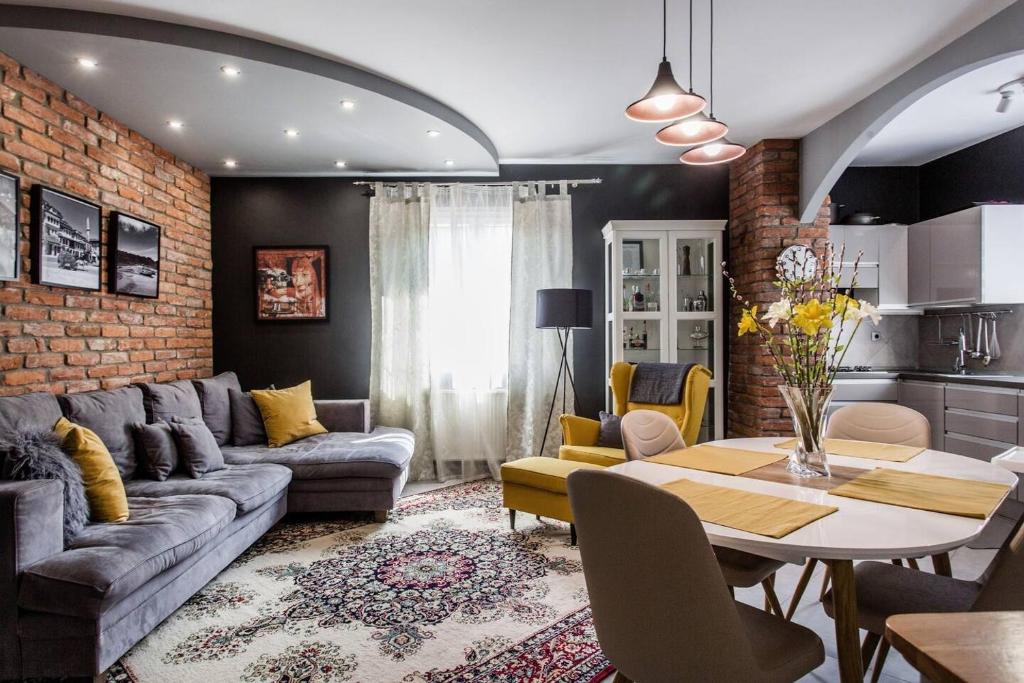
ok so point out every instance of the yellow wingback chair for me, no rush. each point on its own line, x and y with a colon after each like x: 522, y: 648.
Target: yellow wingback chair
x: 580, y: 434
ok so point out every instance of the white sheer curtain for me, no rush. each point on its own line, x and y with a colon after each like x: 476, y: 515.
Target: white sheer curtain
x: 399, y: 281
x: 541, y: 259
x: 470, y: 290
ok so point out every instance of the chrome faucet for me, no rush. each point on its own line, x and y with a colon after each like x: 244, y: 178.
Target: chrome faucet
x: 960, y: 362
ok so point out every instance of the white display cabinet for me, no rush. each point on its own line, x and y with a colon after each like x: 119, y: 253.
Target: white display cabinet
x: 664, y: 300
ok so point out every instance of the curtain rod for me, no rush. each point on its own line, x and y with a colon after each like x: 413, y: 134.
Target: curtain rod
x: 574, y: 182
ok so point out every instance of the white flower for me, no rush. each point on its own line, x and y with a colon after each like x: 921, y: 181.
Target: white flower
x: 866, y: 310
x: 780, y: 310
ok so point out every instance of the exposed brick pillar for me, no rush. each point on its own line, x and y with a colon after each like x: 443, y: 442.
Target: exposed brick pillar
x: 763, y: 219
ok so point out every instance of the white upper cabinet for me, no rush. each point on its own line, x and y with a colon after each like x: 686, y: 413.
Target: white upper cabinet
x: 969, y: 257
x: 883, y: 261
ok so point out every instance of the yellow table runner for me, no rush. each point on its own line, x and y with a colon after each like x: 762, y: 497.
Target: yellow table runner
x: 717, y: 459
x: 963, y: 497
x: 863, y: 449
x: 747, y: 511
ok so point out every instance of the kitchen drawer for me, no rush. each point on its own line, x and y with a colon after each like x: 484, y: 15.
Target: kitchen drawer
x: 974, y: 447
x: 916, y: 391
x: 982, y: 399
x: 883, y: 390
x: 984, y: 425
x: 867, y: 276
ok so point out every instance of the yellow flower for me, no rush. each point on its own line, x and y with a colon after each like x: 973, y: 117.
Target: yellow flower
x: 748, y: 322
x: 846, y: 307
x: 812, y: 316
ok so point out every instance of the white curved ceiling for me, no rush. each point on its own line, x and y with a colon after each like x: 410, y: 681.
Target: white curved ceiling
x: 547, y: 82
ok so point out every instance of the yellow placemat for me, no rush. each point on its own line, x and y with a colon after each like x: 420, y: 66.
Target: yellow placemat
x: 963, y: 497
x: 747, y: 511
x: 863, y: 449
x: 717, y: 459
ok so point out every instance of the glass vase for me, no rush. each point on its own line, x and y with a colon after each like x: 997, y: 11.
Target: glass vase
x: 808, y: 407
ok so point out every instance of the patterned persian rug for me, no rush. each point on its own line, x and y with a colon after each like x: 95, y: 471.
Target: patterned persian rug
x: 442, y: 592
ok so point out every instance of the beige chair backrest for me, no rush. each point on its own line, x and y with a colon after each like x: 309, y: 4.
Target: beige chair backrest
x: 661, y: 608
x: 1003, y: 581
x: 881, y: 423
x: 648, y: 432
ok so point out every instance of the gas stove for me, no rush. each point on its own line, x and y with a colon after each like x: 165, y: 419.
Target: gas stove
x: 854, y: 368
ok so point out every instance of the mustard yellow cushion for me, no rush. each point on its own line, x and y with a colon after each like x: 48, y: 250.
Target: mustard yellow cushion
x: 595, y: 455
x: 288, y: 414
x: 541, y: 473
x: 103, y: 486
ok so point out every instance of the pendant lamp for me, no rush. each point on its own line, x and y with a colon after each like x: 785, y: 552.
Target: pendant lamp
x: 666, y: 100
x: 696, y: 130
x: 716, y: 150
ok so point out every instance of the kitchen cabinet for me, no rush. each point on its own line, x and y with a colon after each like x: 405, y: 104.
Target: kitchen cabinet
x: 883, y: 264
x: 929, y: 399
x: 981, y: 421
x: 967, y: 257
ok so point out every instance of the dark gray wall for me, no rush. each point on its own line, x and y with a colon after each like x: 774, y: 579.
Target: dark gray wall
x: 887, y: 191
x: 332, y: 211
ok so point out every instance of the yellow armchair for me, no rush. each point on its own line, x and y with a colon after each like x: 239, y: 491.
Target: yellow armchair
x: 580, y: 434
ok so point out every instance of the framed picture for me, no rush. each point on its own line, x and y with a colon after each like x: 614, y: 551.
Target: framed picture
x: 10, y: 227
x: 291, y: 283
x: 65, y: 240
x: 134, y: 255
x: 632, y: 255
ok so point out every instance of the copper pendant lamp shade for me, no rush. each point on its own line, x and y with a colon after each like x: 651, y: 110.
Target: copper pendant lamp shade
x: 666, y: 100
x: 717, y: 152
x: 696, y: 130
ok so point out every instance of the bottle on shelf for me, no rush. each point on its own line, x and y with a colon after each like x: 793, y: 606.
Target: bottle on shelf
x: 649, y: 297
x: 644, y: 337
x: 638, y: 298
x: 685, y: 270
x: 701, y: 304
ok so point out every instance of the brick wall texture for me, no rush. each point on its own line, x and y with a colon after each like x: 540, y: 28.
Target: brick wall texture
x: 68, y: 340
x: 763, y: 220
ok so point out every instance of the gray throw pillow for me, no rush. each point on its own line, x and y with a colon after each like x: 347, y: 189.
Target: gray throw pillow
x: 157, y: 450
x: 611, y: 430
x: 35, y: 454
x: 246, y: 420
x: 110, y: 414
x: 197, y: 448
x: 170, y: 400
x: 213, y: 396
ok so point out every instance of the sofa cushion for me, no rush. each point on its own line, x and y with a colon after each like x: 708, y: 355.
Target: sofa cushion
x: 111, y: 415
x: 249, y: 486
x: 38, y: 411
x: 213, y: 397
x: 170, y: 400
x: 157, y: 450
x: 197, y: 448
x: 106, y: 562
x: 383, y: 453
x: 246, y: 422
x: 104, y: 488
x: 288, y: 414
x: 595, y: 455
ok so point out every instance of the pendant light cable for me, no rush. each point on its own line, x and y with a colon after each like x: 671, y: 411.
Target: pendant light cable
x: 691, y: 46
x: 711, y: 61
x: 664, y: 30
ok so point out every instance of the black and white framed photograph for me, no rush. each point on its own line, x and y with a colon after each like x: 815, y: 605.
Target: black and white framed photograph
x: 632, y: 255
x: 10, y: 227
x: 134, y: 256
x: 65, y: 240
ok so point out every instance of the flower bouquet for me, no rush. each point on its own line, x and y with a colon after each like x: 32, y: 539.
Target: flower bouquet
x: 807, y: 332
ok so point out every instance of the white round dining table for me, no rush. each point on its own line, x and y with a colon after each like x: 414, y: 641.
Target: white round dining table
x: 858, y: 530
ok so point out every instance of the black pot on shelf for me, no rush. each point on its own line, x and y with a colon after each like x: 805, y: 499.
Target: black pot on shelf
x: 834, y: 213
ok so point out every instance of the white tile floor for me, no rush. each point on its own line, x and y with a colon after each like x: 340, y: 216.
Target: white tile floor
x: 967, y: 563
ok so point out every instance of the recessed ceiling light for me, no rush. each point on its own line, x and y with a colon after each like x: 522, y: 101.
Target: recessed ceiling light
x: 291, y: 132
x: 230, y: 70
x: 433, y: 133
x: 176, y: 125
x: 348, y: 104
x: 230, y: 163
x: 87, y: 62
x: 449, y: 162
x: 340, y: 164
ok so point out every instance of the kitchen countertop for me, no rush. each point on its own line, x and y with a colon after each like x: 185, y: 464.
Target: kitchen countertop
x: 1007, y: 380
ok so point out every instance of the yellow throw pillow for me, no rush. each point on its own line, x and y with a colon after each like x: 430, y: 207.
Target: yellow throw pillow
x: 288, y: 414
x: 103, y: 486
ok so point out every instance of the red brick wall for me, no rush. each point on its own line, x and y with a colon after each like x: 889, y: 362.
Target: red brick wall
x: 58, y: 339
x: 763, y: 219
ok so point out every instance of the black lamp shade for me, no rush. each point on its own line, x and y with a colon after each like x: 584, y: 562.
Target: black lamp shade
x: 565, y: 308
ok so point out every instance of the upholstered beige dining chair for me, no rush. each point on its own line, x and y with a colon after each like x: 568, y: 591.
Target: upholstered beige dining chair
x: 646, y: 433
x: 880, y: 423
x: 661, y: 609
x: 886, y: 589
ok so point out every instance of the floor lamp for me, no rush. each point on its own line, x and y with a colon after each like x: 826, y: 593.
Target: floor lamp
x: 563, y: 310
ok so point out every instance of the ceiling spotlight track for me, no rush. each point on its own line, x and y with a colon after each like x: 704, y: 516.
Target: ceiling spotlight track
x: 1007, y: 91
x: 666, y: 100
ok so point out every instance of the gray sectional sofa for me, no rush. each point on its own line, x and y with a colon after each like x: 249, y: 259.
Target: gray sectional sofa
x: 74, y: 611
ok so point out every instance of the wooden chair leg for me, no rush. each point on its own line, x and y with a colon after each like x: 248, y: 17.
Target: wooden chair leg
x: 913, y: 563
x: 825, y: 583
x: 801, y: 586
x: 770, y: 597
x: 898, y: 562
x: 619, y: 678
x: 732, y: 592
x: 942, y: 564
x: 512, y: 519
x: 883, y: 651
x: 572, y: 534
x: 867, y: 650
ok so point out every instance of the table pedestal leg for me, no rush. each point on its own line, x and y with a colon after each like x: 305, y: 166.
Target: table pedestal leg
x: 844, y: 607
x: 942, y: 565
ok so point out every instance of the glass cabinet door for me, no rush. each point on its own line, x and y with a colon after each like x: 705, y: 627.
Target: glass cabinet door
x: 695, y: 342
x: 641, y: 341
x: 641, y: 275
x: 694, y: 269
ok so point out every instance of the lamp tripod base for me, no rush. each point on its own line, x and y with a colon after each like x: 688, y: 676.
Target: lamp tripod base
x: 563, y: 379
